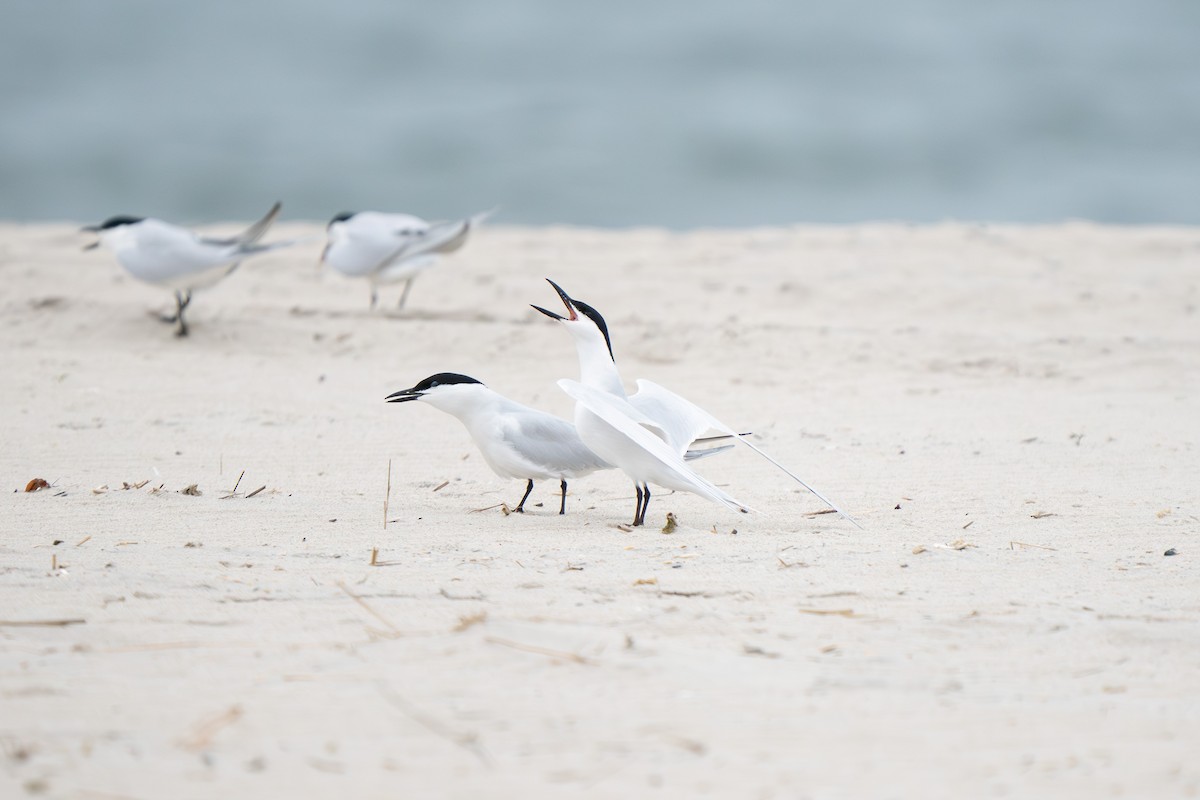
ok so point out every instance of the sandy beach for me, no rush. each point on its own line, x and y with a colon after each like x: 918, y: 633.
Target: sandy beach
x: 1010, y: 412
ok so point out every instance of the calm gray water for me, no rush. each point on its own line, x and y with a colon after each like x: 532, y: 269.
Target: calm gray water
x: 617, y: 113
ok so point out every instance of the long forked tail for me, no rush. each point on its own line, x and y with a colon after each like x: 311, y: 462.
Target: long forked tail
x: 741, y: 437
x: 797, y: 479
x: 442, y: 237
x: 697, y: 453
x: 446, y: 237
x: 260, y: 228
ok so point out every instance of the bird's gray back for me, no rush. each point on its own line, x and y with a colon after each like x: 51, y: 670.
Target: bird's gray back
x: 549, y: 444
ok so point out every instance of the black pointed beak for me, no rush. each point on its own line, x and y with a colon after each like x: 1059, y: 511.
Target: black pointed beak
x: 90, y: 229
x: 403, y: 396
x: 549, y: 314
x: 567, y: 301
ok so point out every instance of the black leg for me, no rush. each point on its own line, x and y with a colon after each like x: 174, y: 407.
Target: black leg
x: 181, y: 302
x: 404, y: 297
x: 637, y: 511
x: 562, y: 509
x: 521, y: 506
x: 645, y: 502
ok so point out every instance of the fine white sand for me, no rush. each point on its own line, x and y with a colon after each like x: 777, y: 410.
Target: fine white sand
x: 1011, y: 412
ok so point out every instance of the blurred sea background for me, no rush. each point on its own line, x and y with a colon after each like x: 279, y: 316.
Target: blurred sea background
x: 679, y: 114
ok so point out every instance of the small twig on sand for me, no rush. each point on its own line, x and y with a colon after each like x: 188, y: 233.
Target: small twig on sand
x: 469, y: 620
x: 489, y: 508
x: 468, y: 740
x: 1026, y: 544
x: 478, y: 597
x: 202, y: 736
x: 386, y: 499
x: 541, y: 651
x: 375, y: 562
x: 151, y: 647
x: 441, y: 486
x: 83, y: 540
x: 395, y: 631
x: 256, y: 491
x: 39, y: 623
x: 811, y: 514
x: 829, y: 612
x: 233, y: 491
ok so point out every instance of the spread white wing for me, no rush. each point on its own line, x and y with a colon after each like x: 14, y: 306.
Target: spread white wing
x: 645, y: 433
x: 439, y: 237
x: 696, y: 416
x: 682, y: 421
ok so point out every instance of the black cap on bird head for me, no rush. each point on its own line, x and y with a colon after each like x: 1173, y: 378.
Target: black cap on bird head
x: 574, y: 309
x: 440, y: 379
x: 107, y: 225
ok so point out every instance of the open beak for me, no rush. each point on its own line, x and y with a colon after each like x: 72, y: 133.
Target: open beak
x: 403, y: 396
x: 566, y: 302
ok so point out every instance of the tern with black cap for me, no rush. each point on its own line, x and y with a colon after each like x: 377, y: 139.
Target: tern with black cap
x: 515, y: 440
x: 390, y: 248
x: 644, y: 433
x: 181, y: 260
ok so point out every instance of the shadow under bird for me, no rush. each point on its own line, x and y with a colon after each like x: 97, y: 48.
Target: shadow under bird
x: 390, y: 248
x: 645, y: 434
x: 178, y: 259
x: 516, y: 441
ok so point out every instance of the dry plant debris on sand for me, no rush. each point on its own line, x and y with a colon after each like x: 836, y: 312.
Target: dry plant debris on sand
x: 1008, y: 411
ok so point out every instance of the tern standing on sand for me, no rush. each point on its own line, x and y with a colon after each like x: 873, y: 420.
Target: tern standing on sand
x: 644, y: 432
x: 179, y: 259
x: 389, y: 248
x: 648, y: 449
x: 516, y: 441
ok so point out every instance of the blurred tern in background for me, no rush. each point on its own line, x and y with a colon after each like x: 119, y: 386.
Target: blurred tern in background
x: 183, y: 261
x: 640, y: 433
x: 516, y: 441
x: 389, y: 248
